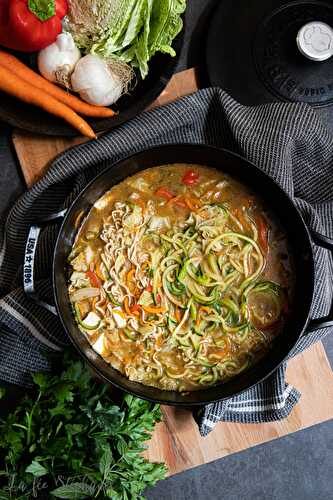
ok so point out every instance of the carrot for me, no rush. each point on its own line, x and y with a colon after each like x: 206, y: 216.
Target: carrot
x: 193, y: 203
x: 135, y: 309
x: 129, y: 278
x: 164, y: 192
x: 205, y: 309
x: 159, y: 340
x: 126, y: 306
x: 15, y: 86
x: 177, y: 200
x: 19, y: 69
x: 98, y: 271
x: 153, y: 309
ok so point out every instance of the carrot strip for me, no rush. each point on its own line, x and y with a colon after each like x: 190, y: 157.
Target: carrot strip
x: 177, y: 200
x: 126, y: 306
x: 164, y: 192
x: 129, y: 279
x: 98, y: 271
x: 135, y: 309
x: 15, y: 86
x: 19, y: 69
x: 153, y: 309
x: 193, y: 203
x: 205, y: 309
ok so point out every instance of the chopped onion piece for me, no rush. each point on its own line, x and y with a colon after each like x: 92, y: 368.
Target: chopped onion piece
x: 119, y: 317
x: 84, y: 293
x: 98, y: 346
x: 92, y: 320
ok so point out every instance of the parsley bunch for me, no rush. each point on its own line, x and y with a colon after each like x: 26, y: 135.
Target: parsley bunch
x: 72, y: 441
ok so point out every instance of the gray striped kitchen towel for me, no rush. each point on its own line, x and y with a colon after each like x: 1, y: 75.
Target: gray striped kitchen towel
x: 286, y: 140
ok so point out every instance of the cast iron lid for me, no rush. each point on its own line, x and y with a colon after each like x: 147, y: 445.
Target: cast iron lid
x: 31, y: 118
x: 254, y: 51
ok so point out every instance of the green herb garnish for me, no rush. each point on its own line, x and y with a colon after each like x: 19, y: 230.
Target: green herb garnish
x: 70, y: 440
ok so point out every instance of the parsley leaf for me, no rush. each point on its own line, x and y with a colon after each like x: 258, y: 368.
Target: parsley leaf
x: 74, y: 490
x: 72, y: 435
x: 36, y: 469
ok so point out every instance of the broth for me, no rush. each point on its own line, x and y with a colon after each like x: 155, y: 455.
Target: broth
x: 180, y: 278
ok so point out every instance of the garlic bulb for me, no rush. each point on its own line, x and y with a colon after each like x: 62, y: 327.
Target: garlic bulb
x: 96, y: 82
x: 57, y: 61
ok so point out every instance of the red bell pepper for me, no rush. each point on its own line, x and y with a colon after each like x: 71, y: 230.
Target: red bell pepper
x: 190, y: 177
x: 135, y: 308
x: 30, y: 25
x: 94, y: 280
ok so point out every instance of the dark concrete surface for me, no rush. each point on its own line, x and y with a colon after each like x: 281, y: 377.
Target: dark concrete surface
x: 197, y: 13
x: 296, y: 467
x: 11, y: 183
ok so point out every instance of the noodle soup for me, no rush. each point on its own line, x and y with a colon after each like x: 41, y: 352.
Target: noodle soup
x: 180, y: 278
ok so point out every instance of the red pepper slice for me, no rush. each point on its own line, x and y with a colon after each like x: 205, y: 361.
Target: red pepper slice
x: 30, y: 25
x: 135, y: 308
x: 158, y: 298
x: 164, y: 192
x: 94, y: 280
x: 149, y: 288
x: 190, y: 177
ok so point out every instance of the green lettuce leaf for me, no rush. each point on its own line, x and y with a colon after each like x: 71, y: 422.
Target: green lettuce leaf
x: 135, y: 23
x: 128, y: 30
x: 166, y: 23
x: 142, y: 48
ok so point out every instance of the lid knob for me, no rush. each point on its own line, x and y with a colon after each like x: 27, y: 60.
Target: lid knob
x: 315, y: 41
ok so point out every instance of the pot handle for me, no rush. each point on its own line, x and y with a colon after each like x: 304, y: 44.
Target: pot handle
x: 29, y: 259
x: 327, y: 321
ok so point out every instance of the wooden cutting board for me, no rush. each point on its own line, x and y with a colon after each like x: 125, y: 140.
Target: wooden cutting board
x: 176, y: 441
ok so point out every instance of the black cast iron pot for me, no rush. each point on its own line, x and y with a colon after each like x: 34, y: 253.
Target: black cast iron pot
x: 300, y: 241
